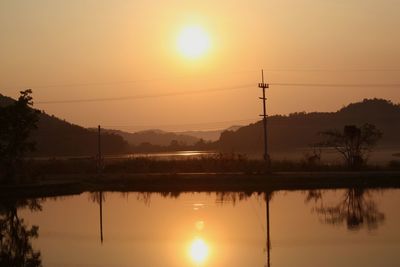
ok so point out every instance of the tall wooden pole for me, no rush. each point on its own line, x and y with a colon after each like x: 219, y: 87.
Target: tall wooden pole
x: 99, y: 150
x: 264, y: 115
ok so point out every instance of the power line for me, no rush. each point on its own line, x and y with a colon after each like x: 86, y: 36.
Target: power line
x: 144, y: 95
x: 120, y: 82
x: 180, y: 125
x: 337, y: 84
x: 332, y: 70
x: 243, y: 86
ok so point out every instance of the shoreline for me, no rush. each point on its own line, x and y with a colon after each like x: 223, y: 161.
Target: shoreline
x: 60, y: 185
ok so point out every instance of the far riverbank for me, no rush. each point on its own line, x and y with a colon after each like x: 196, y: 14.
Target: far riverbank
x: 59, y: 185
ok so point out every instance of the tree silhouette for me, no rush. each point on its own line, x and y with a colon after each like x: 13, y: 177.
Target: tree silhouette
x: 17, y: 120
x: 15, y: 236
x: 356, y: 209
x: 354, y: 143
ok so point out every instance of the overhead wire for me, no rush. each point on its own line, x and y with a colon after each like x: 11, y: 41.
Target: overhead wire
x: 181, y: 125
x: 118, y: 82
x: 177, y: 93
x: 201, y: 91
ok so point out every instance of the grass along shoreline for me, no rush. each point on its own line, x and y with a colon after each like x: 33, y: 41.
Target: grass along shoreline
x: 220, y: 163
x: 206, y: 182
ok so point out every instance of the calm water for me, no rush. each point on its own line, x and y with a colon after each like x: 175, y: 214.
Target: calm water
x: 308, y: 228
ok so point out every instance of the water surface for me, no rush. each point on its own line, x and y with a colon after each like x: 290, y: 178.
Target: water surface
x: 352, y: 227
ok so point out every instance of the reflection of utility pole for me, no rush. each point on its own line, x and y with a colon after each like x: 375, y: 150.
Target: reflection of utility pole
x: 99, y: 169
x: 264, y: 115
x: 268, y: 259
x: 101, y: 217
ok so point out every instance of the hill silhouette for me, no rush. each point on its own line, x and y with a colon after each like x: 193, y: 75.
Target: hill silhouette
x: 155, y: 137
x: 210, y: 135
x: 299, y: 130
x: 158, y: 137
x: 56, y: 137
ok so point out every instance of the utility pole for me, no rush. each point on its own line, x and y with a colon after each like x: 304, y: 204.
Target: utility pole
x: 99, y: 165
x: 264, y: 115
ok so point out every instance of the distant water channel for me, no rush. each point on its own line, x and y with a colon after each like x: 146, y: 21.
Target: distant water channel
x: 176, y: 155
x: 169, y: 155
x: 349, y: 227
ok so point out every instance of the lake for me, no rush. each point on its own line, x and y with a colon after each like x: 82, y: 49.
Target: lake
x: 347, y: 227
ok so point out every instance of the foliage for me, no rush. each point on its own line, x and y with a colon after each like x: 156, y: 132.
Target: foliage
x: 17, y: 122
x: 354, y: 143
x: 15, y: 236
x: 211, y: 163
x: 174, y: 145
x: 298, y: 130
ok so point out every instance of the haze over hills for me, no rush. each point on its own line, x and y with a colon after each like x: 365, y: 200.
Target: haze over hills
x: 56, y: 137
x: 212, y: 135
x: 164, y: 138
x: 155, y: 137
x: 299, y: 130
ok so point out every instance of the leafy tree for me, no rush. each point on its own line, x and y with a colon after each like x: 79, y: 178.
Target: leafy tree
x: 354, y: 143
x: 16, y: 236
x: 17, y: 120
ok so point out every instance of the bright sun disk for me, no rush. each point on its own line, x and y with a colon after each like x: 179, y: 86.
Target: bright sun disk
x: 198, y: 251
x: 193, y: 42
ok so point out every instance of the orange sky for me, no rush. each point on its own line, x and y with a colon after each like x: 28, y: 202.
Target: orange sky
x: 74, y: 50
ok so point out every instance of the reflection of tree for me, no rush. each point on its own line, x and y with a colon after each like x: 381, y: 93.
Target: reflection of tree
x: 15, y: 236
x: 97, y: 197
x: 356, y: 208
x: 145, y: 197
x: 233, y: 197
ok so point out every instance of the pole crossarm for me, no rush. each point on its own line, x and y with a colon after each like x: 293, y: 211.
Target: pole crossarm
x: 264, y: 86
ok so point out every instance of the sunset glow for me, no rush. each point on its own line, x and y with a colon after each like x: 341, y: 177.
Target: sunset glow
x: 199, y: 133
x: 198, y: 251
x: 193, y: 42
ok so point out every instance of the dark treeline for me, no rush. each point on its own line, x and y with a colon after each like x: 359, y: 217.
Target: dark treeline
x: 56, y: 137
x: 155, y: 137
x: 147, y: 147
x: 219, y: 163
x: 299, y: 130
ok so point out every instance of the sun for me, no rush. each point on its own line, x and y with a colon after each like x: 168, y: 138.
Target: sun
x: 198, y: 251
x: 193, y: 42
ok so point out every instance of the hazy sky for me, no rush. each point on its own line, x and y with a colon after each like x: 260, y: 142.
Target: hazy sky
x: 81, y: 49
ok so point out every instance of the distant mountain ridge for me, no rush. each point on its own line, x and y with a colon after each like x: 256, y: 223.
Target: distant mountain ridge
x: 164, y: 138
x: 299, y: 130
x: 56, y: 137
x: 211, y: 135
x: 155, y: 137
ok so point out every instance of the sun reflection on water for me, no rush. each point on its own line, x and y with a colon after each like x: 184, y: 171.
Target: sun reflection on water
x: 198, y: 251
